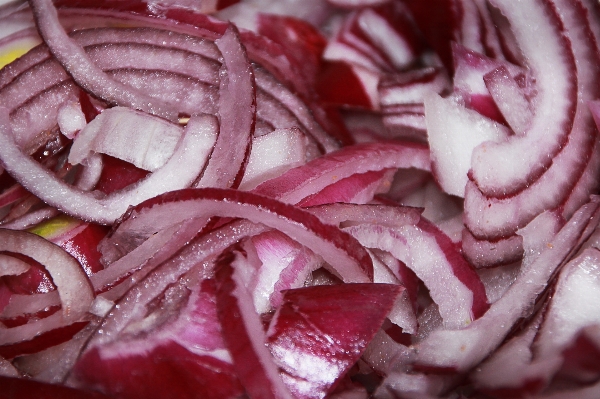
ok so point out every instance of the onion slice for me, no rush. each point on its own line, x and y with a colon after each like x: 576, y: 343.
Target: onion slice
x: 344, y: 254
x: 298, y: 183
x: 242, y: 329
x: 73, y: 287
x: 237, y: 115
x: 460, y: 350
x: 190, y: 156
x: 501, y: 169
x: 86, y: 74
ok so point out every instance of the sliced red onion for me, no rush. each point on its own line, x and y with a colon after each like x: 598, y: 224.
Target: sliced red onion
x: 7, y: 369
x: 359, y: 188
x: 159, y: 36
x: 91, y: 172
x: 301, y: 42
x: 348, y: 85
x: 305, y: 115
x: 22, y: 387
x: 47, y: 74
x: 71, y: 119
x: 471, y: 67
x: 585, y: 392
x: 460, y: 350
x: 405, y: 121
x: 578, y: 155
x: 154, y: 57
x: 161, y: 369
x: 13, y: 194
x: 357, y: 3
x: 470, y: 29
x: 488, y: 217
x: 136, y: 301
x: 71, y: 282
x: 461, y: 297
x: 192, y: 151
x: 342, y: 214
x: 579, y: 358
x: 242, y: 329
x: 237, y: 115
x: 412, y: 87
x: 399, y: 383
x: 383, y: 353
x: 273, y: 154
x: 116, y: 132
x: 484, y: 253
x: 45, y: 106
x: 348, y: 314
x: 498, y: 279
x: 22, y: 304
x: 577, y: 284
x: 509, y: 371
x: 453, y: 134
x: 285, y: 265
x: 11, y: 266
x: 402, y: 313
x: 349, y: 47
x: 295, y: 275
x: 89, y: 76
x: 510, y: 99
x: 553, y: 67
x: 149, y: 251
x: 382, y: 31
x: 300, y: 182
x: 182, y: 336
x: 347, y: 258
x: 53, y: 364
x: 490, y: 39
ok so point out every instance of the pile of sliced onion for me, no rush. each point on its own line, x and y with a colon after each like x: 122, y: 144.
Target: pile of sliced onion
x: 331, y: 199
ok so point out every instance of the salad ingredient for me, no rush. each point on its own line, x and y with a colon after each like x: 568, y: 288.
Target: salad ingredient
x: 299, y: 200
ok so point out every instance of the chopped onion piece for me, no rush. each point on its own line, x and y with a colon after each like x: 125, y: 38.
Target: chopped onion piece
x: 145, y: 141
x: 67, y: 274
x: 190, y: 156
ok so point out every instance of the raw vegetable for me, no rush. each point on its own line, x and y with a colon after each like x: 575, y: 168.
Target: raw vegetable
x: 300, y: 199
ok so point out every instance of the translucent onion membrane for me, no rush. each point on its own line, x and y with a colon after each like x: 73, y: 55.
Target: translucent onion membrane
x: 357, y: 198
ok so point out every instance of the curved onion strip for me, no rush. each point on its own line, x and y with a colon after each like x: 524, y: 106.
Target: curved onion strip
x: 140, y: 139
x: 86, y: 74
x: 298, y: 183
x: 27, y: 304
x: 277, y: 90
x: 381, y: 215
x: 242, y: 329
x: 72, y: 284
x: 31, y: 219
x: 190, y: 156
x: 489, y: 217
x: 201, y: 251
x: 461, y: 296
x: 155, y: 36
x: 462, y: 349
x: 11, y: 266
x: 11, y: 338
x: 344, y: 254
x: 553, y: 66
x: 158, y: 248
x: 237, y: 115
